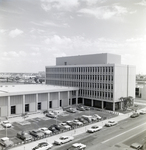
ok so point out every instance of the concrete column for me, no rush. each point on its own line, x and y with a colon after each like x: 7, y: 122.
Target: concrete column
x: 48, y: 101
x: 58, y: 104
x: 76, y: 97
x: 91, y: 102
x: 68, y: 97
x: 102, y: 104
x: 23, y: 104
x: 113, y: 106
x: 9, y: 107
x: 36, y: 104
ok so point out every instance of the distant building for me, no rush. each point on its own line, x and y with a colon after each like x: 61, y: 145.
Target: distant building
x: 101, y: 79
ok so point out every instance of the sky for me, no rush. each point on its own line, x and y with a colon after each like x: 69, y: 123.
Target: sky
x: 34, y: 32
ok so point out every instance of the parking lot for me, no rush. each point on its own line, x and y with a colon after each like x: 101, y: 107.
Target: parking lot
x: 39, y: 122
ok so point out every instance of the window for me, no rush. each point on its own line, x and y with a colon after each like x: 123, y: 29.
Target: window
x: 13, y: 109
x: 39, y: 106
x: 26, y: 107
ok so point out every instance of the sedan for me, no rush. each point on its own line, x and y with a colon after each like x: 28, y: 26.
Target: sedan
x: 71, y: 110
x: 36, y: 133
x: 51, y: 115
x: 6, y: 124
x: 43, y: 146
x: 94, y: 129
x: 111, y: 123
x: 6, y: 142
x: 77, y: 122
x: 45, y: 130
x: 80, y: 146
x: 65, y: 126
x: 134, y: 115
x: 24, y: 136
x: 143, y: 111
x: 63, y: 139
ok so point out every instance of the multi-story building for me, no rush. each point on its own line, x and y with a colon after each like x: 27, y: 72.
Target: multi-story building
x: 101, y: 78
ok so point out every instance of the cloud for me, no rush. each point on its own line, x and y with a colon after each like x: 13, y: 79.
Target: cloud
x: 14, y: 33
x: 105, y: 12
x: 58, y: 40
x: 59, y: 4
x: 142, y: 3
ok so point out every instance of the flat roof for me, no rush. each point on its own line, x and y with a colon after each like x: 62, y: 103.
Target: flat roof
x: 6, y: 90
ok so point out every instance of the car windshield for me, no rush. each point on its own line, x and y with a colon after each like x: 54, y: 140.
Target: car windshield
x: 5, y: 122
x: 94, y: 127
x: 63, y: 138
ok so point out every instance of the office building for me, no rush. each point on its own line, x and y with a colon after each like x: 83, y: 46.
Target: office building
x: 101, y: 79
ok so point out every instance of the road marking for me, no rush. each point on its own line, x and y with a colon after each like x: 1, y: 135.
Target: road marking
x: 122, y: 133
x: 133, y: 136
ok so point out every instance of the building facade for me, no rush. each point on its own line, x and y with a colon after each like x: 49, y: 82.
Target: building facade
x: 101, y: 79
x: 19, y: 99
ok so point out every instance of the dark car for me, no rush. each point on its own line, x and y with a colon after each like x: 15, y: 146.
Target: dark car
x: 71, y: 123
x: 36, y: 133
x: 134, y: 115
x: 57, y: 127
x: 53, y: 129
x: 24, y: 136
x: 82, y: 120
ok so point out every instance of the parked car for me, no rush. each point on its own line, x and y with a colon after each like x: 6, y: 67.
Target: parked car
x: 45, y: 130
x: 97, y: 116
x: 65, y: 126
x: 57, y: 127
x: 87, y: 108
x: 88, y: 118
x: 43, y: 146
x: 24, y: 136
x: 6, y: 142
x: 81, y: 119
x: 36, y: 133
x: 71, y: 123
x: 134, y: 115
x: 81, y: 108
x: 94, y: 129
x: 51, y: 115
x: 71, y: 110
x: 136, y: 146
x: 63, y: 139
x: 77, y: 122
x: 53, y: 129
x: 111, y: 123
x: 6, y: 124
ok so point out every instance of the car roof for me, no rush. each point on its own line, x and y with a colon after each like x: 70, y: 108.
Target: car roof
x: 5, y: 138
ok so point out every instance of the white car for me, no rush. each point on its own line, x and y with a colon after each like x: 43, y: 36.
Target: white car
x: 97, y: 116
x: 80, y: 146
x: 143, y: 111
x: 63, y: 139
x: 6, y: 124
x: 43, y: 146
x: 77, y: 122
x: 45, y: 130
x: 65, y: 126
x: 111, y: 123
x: 94, y: 128
x: 6, y: 142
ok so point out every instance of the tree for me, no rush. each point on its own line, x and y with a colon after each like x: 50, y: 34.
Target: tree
x: 126, y: 102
